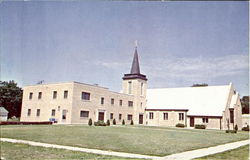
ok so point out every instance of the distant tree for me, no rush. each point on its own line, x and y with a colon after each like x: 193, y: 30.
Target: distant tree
x: 11, y: 98
x: 200, y: 85
x: 90, y: 122
x: 114, y: 122
x: 245, y: 104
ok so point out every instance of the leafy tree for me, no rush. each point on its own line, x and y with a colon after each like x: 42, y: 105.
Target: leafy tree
x: 11, y: 97
x: 245, y: 104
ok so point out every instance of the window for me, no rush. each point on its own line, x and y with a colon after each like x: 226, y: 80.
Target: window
x: 141, y: 88
x: 84, y: 114
x: 31, y: 95
x: 165, y: 116
x: 151, y: 115
x: 111, y: 115
x: 129, y: 87
x: 85, y: 96
x: 29, y: 112
x: 181, y: 116
x: 64, y: 112
x: 130, y: 116
x: 38, y: 112
x: 54, y: 94
x: 53, y: 112
x: 120, y: 116
x: 120, y: 102
x: 65, y: 95
x: 205, y: 120
x: 112, y: 101
x: 39, y: 95
x: 232, y: 116
x: 130, y: 103
x: 102, y: 100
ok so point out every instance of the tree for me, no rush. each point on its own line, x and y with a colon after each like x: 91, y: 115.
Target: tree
x: 200, y: 85
x: 245, y: 104
x: 11, y: 98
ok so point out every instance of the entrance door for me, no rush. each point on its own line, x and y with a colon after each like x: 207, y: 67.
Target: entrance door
x: 191, y: 121
x: 101, y: 116
x: 141, y: 119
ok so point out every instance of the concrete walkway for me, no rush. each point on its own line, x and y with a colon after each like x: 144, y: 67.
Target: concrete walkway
x: 179, y: 156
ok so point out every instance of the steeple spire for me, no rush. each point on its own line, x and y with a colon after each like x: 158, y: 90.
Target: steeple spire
x: 135, y: 69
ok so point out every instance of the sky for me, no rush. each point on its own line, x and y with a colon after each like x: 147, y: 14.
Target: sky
x: 179, y: 43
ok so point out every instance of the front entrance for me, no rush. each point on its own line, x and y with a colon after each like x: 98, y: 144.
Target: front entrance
x: 141, y: 119
x: 101, y: 116
x: 191, y: 121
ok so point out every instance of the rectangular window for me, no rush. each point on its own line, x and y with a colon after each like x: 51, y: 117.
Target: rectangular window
x: 120, y: 102
x: 151, y: 115
x: 54, y: 94
x: 84, y: 114
x: 29, y: 112
x: 112, y: 101
x: 205, y: 120
x: 85, y: 96
x: 231, y: 116
x: 31, y: 95
x: 141, y: 88
x: 40, y: 95
x: 129, y: 87
x: 165, y: 116
x: 130, y: 103
x: 64, y: 112
x: 38, y: 112
x: 102, y: 100
x: 65, y: 95
x: 181, y: 116
x: 111, y: 115
x: 130, y: 116
x: 53, y: 112
x: 120, y: 116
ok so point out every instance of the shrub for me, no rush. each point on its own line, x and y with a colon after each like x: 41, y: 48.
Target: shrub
x: 200, y: 126
x: 100, y: 123
x: 14, y: 119
x: 231, y: 131
x: 114, y: 122
x: 90, y: 122
x: 245, y: 128
x: 180, y: 125
x: 236, y: 128
x: 108, y: 123
x: 123, y: 122
x: 131, y: 123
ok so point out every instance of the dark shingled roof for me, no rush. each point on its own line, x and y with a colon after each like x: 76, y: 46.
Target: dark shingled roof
x: 135, y: 69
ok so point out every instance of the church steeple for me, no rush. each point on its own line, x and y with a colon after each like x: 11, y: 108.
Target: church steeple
x: 135, y: 69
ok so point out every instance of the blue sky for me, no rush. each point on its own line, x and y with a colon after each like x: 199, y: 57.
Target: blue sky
x: 180, y: 43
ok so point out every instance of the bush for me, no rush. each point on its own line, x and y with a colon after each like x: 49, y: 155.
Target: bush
x: 90, y: 122
x: 100, y: 123
x: 108, y: 122
x: 114, y: 122
x: 14, y: 119
x: 200, y: 126
x: 245, y: 128
x: 132, y: 122
x: 123, y: 122
x: 236, y: 128
x: 180, y: 125
x: 231, y: 131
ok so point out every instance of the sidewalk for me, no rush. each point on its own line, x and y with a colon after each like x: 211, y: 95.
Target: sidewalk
x: 178, y: 156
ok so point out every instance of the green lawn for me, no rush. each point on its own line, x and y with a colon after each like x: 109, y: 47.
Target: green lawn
x: 132, y: 139
x: 241, y: 153
x: 14, y: 151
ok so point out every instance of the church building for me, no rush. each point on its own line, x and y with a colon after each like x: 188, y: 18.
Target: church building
x: 217, y: 107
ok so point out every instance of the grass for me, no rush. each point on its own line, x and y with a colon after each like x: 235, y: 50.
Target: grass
x: 14, y: 151
x: 241, y: 153
x: 158, y: 141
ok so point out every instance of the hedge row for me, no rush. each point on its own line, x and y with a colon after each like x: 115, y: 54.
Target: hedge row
x: 200, y: 126
x: 23, y: 123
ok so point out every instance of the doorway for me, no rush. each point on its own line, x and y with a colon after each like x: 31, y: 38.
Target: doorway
x: 141, y: 119
x: 101, y: 116
x: 191, y: 121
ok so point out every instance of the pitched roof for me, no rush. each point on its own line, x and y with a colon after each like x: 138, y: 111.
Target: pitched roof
x: 3, y: 110
x: 135, y: 69
x: 207, y: 101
